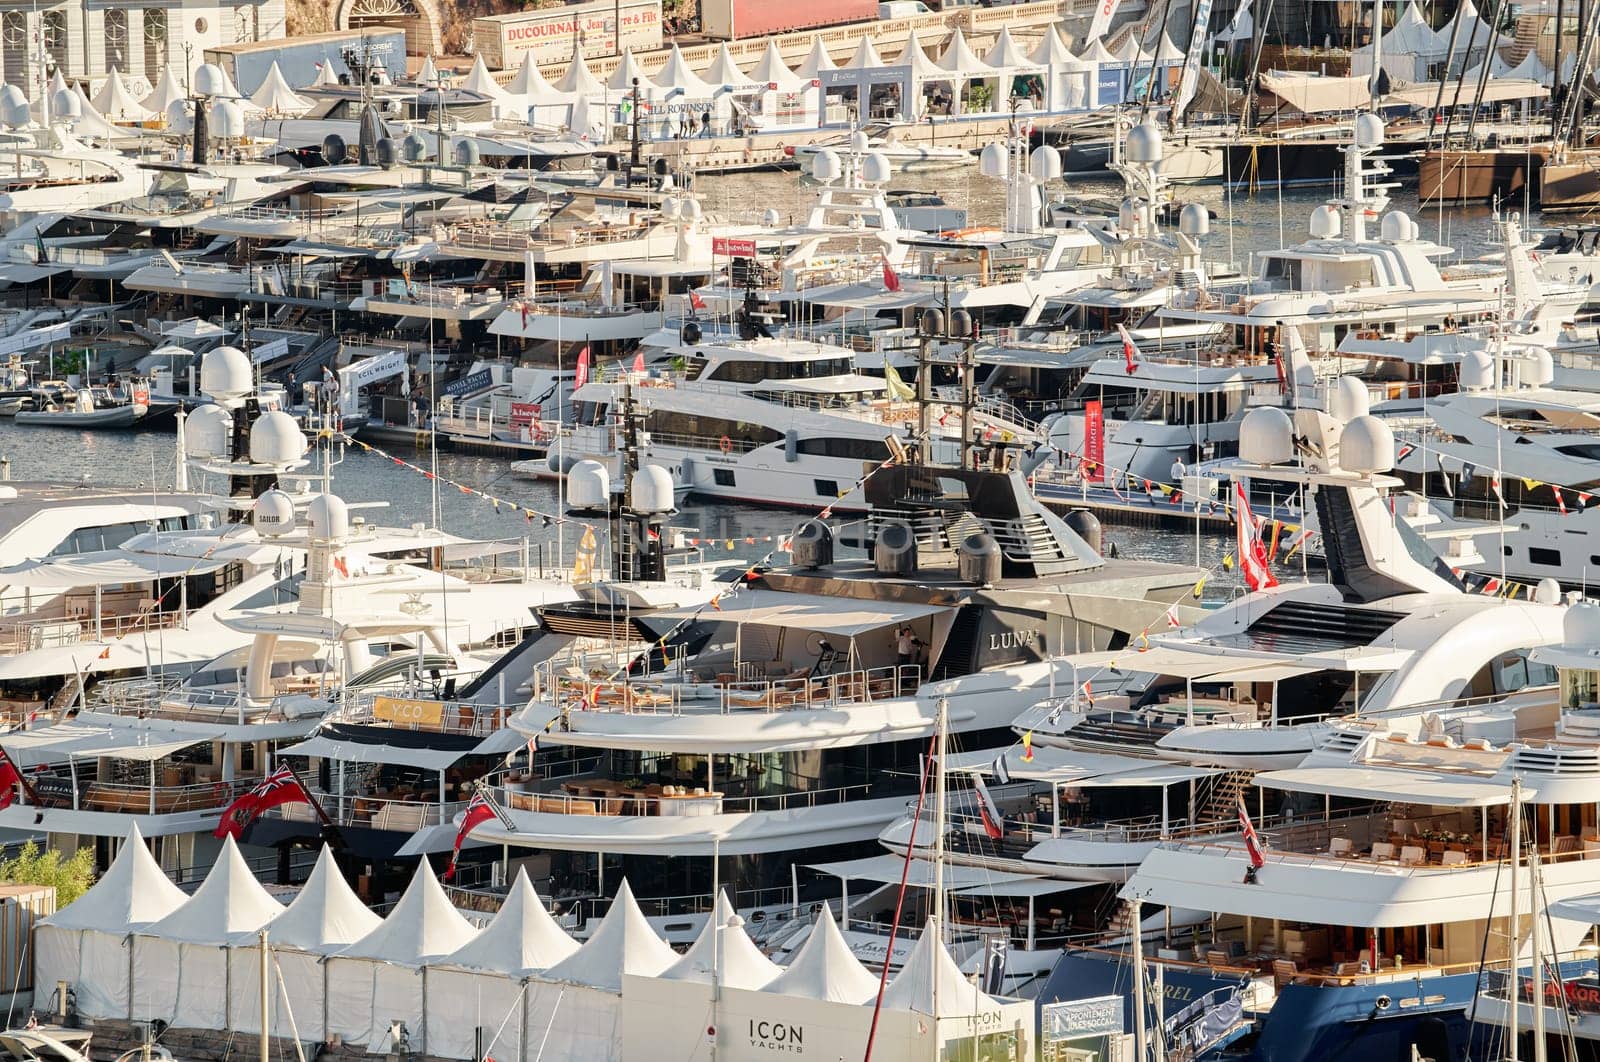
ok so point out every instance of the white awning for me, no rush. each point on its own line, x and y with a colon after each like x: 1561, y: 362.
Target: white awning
x: 108, y: 568
x: 68, y: 741
x: 1577, y: 908
x: 1392, y: 784
x: 1193, y: 663
x: 888, y: 868
x: 1054, y: 765
x: 1154, y: 775
x: 810, y: 612
x: 497, y: 743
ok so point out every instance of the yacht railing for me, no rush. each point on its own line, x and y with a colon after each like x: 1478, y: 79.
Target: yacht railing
x: 376, y: 812
x: 170, y: 699
x: 612, y: 799
x: 23, y: 636
x: 61, y: 789
x: 455, y: 717
x: 725, y: 693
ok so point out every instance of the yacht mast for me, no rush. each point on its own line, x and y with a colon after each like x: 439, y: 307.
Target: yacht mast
x: 1516, y: 920
x: 940, y: 809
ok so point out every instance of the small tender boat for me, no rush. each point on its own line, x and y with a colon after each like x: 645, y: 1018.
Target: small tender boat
x: 88, y: 407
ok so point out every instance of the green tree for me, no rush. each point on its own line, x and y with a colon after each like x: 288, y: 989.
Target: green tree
x: 39, y: 866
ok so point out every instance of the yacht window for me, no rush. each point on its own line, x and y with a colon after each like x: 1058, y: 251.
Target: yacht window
x: 851, y: 449
x: 589, y: 413
x: 826, y: 488
x: 722, y: 477
x: 1580, y: 688
x: 669, y: 426
x: 1549, y: 558
x: 769, y: 371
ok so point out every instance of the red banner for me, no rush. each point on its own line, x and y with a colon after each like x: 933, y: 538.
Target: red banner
x: 1094, y: 442
x: 731, y: 248
x: 524, y: 414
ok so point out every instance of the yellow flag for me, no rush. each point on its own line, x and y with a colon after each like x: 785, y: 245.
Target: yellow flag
x: 899, y: 390
x: 583, y: 561
x: 1199, y: 587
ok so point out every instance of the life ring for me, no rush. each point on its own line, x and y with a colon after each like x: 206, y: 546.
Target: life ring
x: 726, y: 444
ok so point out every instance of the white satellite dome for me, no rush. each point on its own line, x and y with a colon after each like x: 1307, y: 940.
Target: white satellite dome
x: 180, y: 116
x: 1045, y: 163
x: 209, y: 80
x: 1145, y: 145
x: 14, y: 107
x: 1477, y: 372
x: 589, y: 486
x: 690, y: 209
x: 1541, y: 369
x: 825, y: 165
x: 206, y: 431
x: 992, y: 161
x: 1397, y: 226
x: 329, y: 518
x: 66, y: 105
x: 1366, y: 446
x: 1580, y: 627
x: 875, y: 168
x: 1348, y: 400
x: 275, y: 439
x: 1369, y: 131
x: 859, y: 142
x: 651, y: 490
x: 1194, y: 220
x: 1266, y: 437
x: 226, y: 375
x: 1548, y: 592
x: 226, y: 119
x: 1325, y: 223
x: 274, y: 514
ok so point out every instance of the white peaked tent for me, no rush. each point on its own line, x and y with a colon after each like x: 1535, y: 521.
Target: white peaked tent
x: 578, y: 80
x: 628, y: 68
x: 1531, y: 69
x: 1097, y: 53
x: 483, y: 984
x: 180, y: 964
x: 275, y: 96
x: 865, y: 57
x: 931, y: 975
x: 529, y: 82
x: 326, y: 74
x: 1473, y: 37
x: 1168, y: 52
x: 959, y: 58
x: 230, y: 91
x: 86, y: 942
x: 1130, y: 50
x: 816, y: 61
x: 677, y: 79
x: 772, y: 70
x: 118, y: 103
x: 580, y: 1001
x: 167, y: 89
x: 1411, y: 33
x: 919, y: 71
x: 726, y: 954
x: 826, y: 969
x: 91, y: 123
x: 725, y: 73
x: 1008, y: 54
x: 1069, y: 81
x: 501, y: 102
x: 324, y: 918
x: 381, y: 978
x: 1498, y: 68
x: 429, y: 74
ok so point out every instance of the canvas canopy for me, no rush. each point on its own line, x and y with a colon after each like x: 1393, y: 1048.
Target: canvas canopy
x: 825, y: 968
x: 724, y: 951
x: 772, y: 70
x: 816, y: 61
x: 86, y: 943
x: 578, y: 80
x: 1007, y: 53
x: 1313, y: 94
x: 624, y: 942
x: 167, y: 89
x: 117, y: 102
x: 725, y: 72
x: 180, y: 963
x: 677, y: 77
x: 275, y: 96
x: 961, y: 60
x: 628, y: 68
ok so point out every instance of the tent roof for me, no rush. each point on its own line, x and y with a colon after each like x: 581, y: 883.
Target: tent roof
x: 1411, y: 33
x: 1007, y: 52
x: 772, y: 69
x: 229, y: 902
x: 724, y: 71
x: 579, y: 80
x: 276, y: 95
x: 325, y: 73
x: 1053, y: 51
x: 623, y: 943
x: 1531, y: 69
x: 230, y: 91
x: 529, y: 81
x: 133, y: 892
x: 816, y: 60
x: 929, y: 962
x: 522, y: 939
x: 865, y: 57
x: 423, y: 926
x: 429, y: 74
x: 677, y: 75
x: 116, y: 101
x: 91, y: 123
x: 1312, y: 93
x: 959, y: 58
x: 741, y: 964
x: 1168, y: 52
x: 1098, y: 53
x: 628, y: 68
x: 167, y: 89
x: 481, y: 82
x: 1130, y: 50
x: 825, y: 968
x: 916, y: 57
x: 326, y: 915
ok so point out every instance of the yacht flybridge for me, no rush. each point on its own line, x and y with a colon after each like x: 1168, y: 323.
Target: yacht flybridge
x: 791, y: 713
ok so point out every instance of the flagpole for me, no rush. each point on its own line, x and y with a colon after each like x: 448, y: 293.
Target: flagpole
x: 311, y: 798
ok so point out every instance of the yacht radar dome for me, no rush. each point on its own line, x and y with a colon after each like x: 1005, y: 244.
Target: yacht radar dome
x: 992, y: 161
x: 1548, y: 592
x: 1366, y: 446
x: 180, y: 117
x: 328, y: 517
x: 1477, y: 372
x: 66, y: 105
x: 206, y: 431
x: 1194, y: 220
x: 414, y: 148
x: 690, y: 209
x: 1144, y: 145
x: 1580, y: 627
x: 811, y: 545
x: 14, y: 107
x: 651, y: 490
x: 1369, y: 131
x: 209, y: 80
x: 589, y: 486
x: 1324, y: 223
x: 1045, y: 163
x: 671, y: 208
x: 825, y: 166
x: 335, y: 152
x: 273, y: 514
x: 388, y: 152
x: 978, y: 559
x: 1396, y: 226
x: 1266, y: 437
x: 895, y: 551
x: 275, y: 439
x: 770, y: 218
x: 225, y: 374
x: 466, y: 153
x: 226, y: 120
x: 859, y: 142
x: 1541, y: 369
x: 875, y: 168
x: 1348, y: 400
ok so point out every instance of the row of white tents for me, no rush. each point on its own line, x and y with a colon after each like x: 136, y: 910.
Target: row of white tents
x: 136, y: 947
x: 1413, y: 51
x: 120, y: 101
